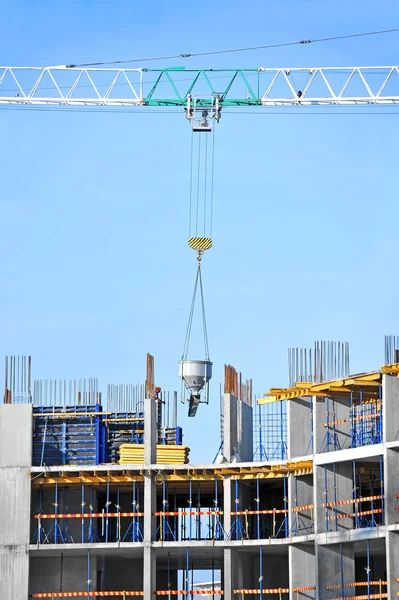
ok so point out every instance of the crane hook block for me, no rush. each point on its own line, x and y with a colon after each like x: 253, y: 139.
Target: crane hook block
x: 200, y: 244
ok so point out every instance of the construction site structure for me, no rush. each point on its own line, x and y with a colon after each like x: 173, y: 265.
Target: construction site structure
x: 314, y: 516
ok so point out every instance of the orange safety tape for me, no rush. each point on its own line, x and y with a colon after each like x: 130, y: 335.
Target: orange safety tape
x: 264, y: 591
x: 358, y: 514
x: 364, y: 597
x: 299, y: 508
x: 260, y: 512
x: 304, y: 589
x: 57, y: 595
x: 192, y: 513
x: 203, y: 592
x: 357, y: 418
x: 356, y: 584
x: 357, y: 501
x: 88, y: 515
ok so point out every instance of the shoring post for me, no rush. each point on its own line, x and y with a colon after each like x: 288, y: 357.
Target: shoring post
x: 56, y: 512
x: 198, y: 517
x: 187, y: 578
x: 82, y: 506
x: 355, y: 493
x: 107, y: 511
x: 368, y: 570
x: 61, y: 571
x: 372, y: 503
x: 88, y: 574
x: 311, y: 425
x: 260, y: 573
x: 118, y: 519
x: 282, y: 432
x: 382, y: 493
x: 66, y: 495
x: 237, y: 505
x: 169, y: 582
x: 341, y: 560
x: 296, y: 505
x: 285, y: 508
x: 353, y: 422
x: 39, y: 529
x: 190, y: 503
x: 134, y: 505
x: 326, y: 496
x: 327, y: 405
x: 91, y: 518
x: 361, y: 420
x: 257, y: 500
x: 335, y: 496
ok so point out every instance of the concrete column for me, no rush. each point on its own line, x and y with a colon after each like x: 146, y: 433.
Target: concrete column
x: 149, y: 562
x: 229, y: 555
x: 390, y: 403
x: 299, y: 427
x: 335, y: 565
x: 391, y: 478
x: 150, y: 432
x: 392, y: 558
x: 302, y: 571
x: 230, y: 426
x: 319, y: 417
x: 229, y: 573
x: 245, y: 431
x: 15, y: 495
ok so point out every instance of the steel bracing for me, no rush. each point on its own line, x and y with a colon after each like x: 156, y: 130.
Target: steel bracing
x: 115, y: 87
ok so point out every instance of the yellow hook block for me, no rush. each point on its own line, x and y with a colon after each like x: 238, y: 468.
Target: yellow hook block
x: 200, y: 244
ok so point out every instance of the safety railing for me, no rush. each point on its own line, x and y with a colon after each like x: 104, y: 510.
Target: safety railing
x: 94, y: 527
x: 187, y: 525
x: 362, y: 518
x: 375, y: 589
x: 240, y: 593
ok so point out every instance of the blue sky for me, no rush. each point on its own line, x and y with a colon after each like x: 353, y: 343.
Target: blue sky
x: 95, y: 269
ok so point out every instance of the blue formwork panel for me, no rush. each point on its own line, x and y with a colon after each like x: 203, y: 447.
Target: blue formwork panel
x: 69, y: 435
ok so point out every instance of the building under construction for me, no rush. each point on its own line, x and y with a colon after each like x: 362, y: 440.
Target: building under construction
x: 98, y: 498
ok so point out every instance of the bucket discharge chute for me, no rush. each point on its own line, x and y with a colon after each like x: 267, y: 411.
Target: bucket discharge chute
x: 195, y: 376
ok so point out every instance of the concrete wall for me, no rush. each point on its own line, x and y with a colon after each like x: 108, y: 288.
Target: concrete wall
x: 299, y: 427
x: 335, y: 565
x: 390, y: 404
x: 15, y: 463
x: 302, y: 571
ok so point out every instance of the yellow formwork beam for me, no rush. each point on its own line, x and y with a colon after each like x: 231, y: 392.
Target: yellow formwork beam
x: 247, y: 472
x: 336, y: 387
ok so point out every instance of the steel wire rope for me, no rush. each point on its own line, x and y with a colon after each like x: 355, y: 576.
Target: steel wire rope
x: 203, y: 316
x: 212, y: 181
x: 231, y: 50
x: 205, y: 181
x: 198, y: 279
x: 190, y: 317
x: 191, y: 184
x: 198, y: 182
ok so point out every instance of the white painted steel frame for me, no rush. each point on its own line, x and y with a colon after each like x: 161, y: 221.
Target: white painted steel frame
x: 144, y: 92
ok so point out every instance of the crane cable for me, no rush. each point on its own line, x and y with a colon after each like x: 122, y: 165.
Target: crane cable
x: 198, y: 280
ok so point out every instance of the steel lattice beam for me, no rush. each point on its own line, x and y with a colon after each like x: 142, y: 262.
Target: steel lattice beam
x: 62, y: 86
